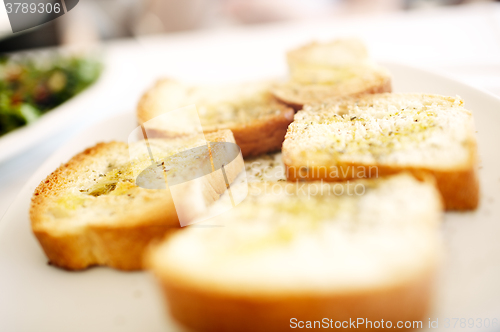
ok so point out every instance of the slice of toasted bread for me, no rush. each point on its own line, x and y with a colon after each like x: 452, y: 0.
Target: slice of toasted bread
x: 382, y: 134
x: 92, y: 211
x: 256, y: 119
x: 307, y: 251
x: 325, y: 70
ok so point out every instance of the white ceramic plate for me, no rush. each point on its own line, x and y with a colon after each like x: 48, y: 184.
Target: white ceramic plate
x: 38, y: 297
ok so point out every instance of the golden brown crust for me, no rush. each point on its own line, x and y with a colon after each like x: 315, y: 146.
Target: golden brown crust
x: 116, y: 240
x: 265, y: 135
x: 208, y: 310
x: 297, y: 101
x: 459, y: 188
x: 118, y: 247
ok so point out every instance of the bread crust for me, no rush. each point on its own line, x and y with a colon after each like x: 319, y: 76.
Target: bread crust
x: 459, y: 188
x: 209, y: 310
x: 297, y: 101
x: 257, y: 137
x: 119, y: 240
x: 119, y: 247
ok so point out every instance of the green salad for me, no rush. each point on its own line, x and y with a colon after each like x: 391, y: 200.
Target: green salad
x: 31, y: 86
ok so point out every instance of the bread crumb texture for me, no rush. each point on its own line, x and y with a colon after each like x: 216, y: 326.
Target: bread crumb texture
x: 219, y: 106
x: 383, y: 129
x: 99, y: 185
x: 268, y: 167
x: 306, y: 238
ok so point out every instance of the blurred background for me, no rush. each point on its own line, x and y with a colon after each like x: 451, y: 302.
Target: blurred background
x: 110, y: 19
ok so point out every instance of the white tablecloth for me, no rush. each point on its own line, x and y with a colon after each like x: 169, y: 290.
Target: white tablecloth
x: 461, y: 41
